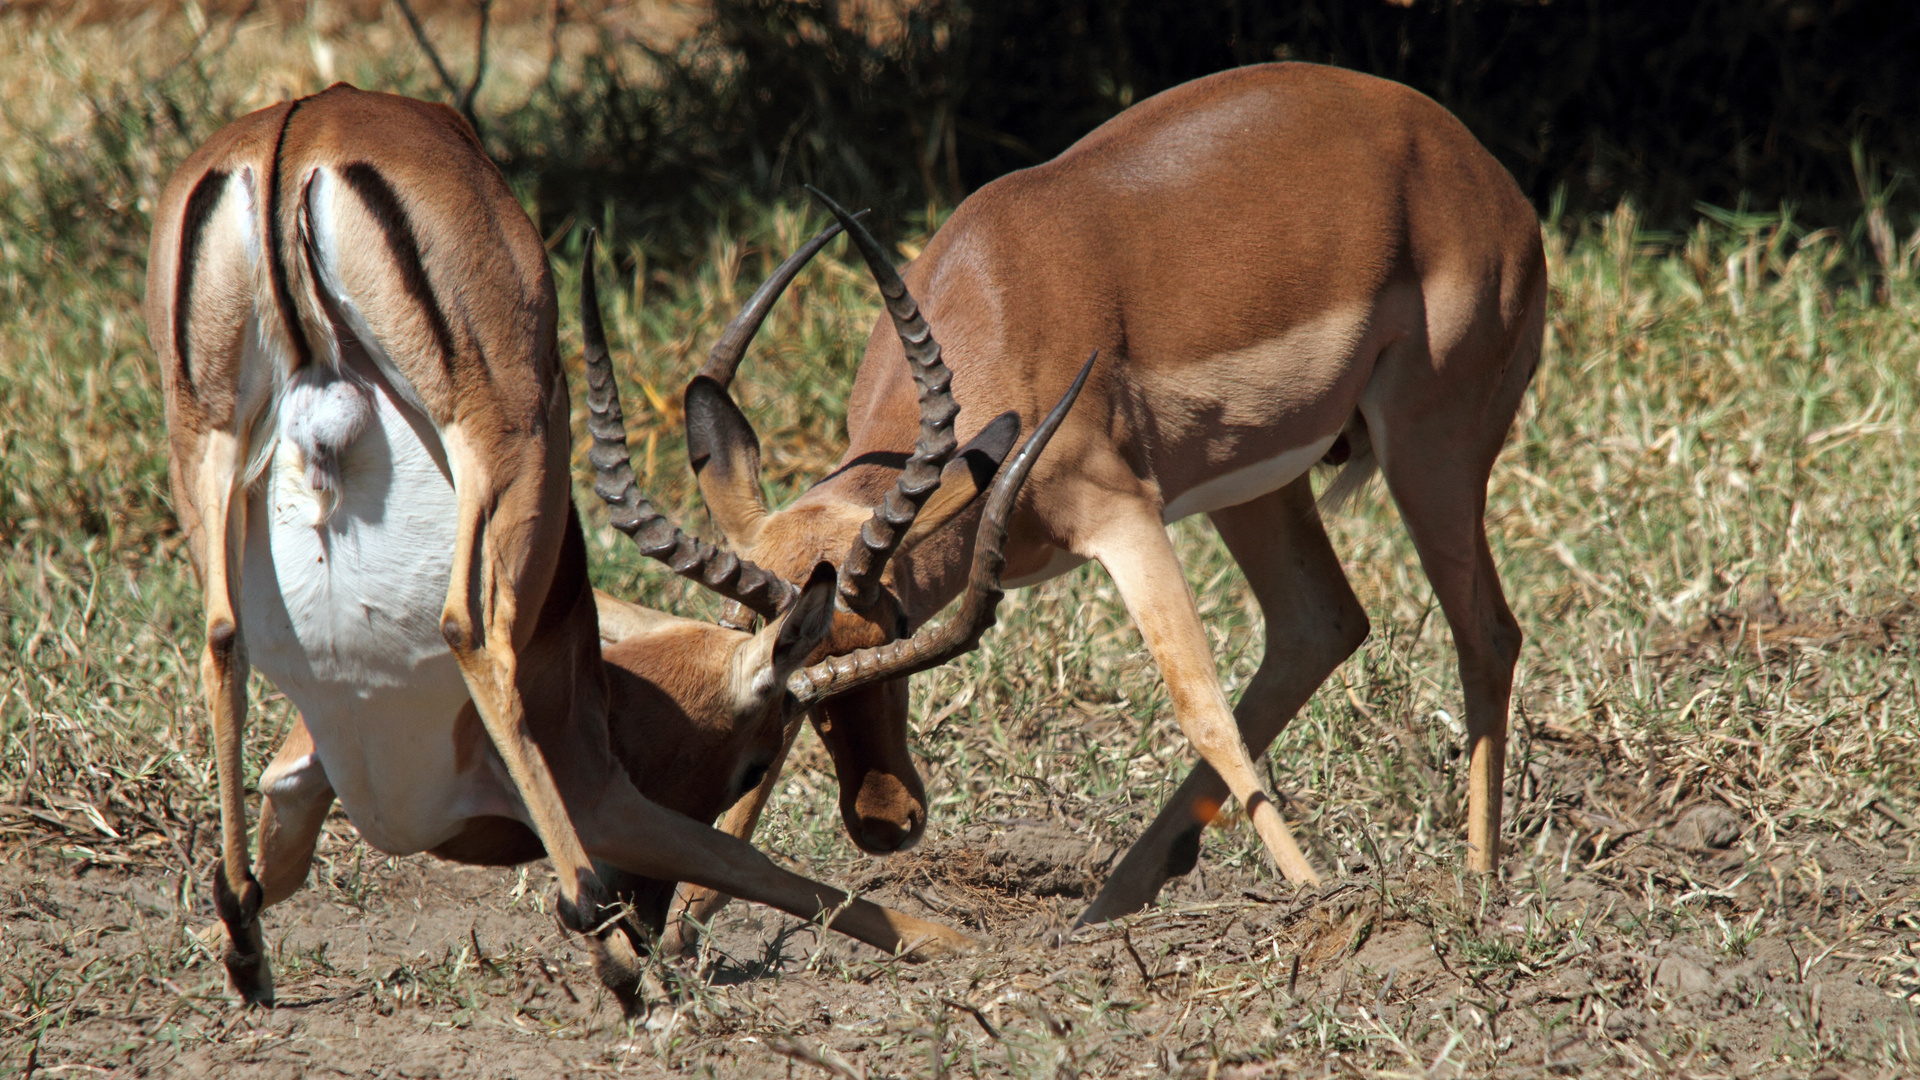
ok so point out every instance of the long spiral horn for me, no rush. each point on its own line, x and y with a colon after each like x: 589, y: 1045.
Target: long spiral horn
x: 724, y: 359
x: 881, y: 535
x: 959, y: 634
x: 658, y: 537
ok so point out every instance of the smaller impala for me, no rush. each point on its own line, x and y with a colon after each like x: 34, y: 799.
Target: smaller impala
x: 368, y: 445
x: 1281, y: 264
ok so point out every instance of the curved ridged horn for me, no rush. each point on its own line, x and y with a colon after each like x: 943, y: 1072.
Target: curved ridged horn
x: 724, y: 359
x: 716, y: 568
x: 881, y: 535
x: 935, y: 645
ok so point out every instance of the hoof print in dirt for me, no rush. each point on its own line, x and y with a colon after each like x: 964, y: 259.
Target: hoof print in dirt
x: 1038, y: 858
x: 995, y: 873
x: 1707, y: 826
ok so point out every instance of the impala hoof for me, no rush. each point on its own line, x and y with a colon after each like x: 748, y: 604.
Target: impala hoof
x: 246, y: 958
x: 622, y: 972
x: 248, y: 969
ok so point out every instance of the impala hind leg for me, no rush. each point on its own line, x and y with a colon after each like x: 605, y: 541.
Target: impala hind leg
x: 1443, y: 504
x: 223, y: 676
x: 1313, y: 623
x: 1436, y: 441
x: 1140, y: 559
x: 295, y: 799
x: 514, y: 518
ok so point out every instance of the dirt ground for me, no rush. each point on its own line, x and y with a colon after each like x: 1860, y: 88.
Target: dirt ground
x: 1619, y: 944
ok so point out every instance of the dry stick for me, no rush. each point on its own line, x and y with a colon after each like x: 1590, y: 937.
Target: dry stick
x: 479, y: 65
x: 463, y: 99
x: 1146, y: 980
x: 823, y: 1058
x: 974, y: 1011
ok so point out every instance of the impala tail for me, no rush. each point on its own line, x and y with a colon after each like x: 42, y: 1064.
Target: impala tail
x: 1352, y: 454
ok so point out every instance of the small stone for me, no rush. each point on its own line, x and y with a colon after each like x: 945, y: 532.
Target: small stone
x: 1675, y: 973
x: 1709, y: 825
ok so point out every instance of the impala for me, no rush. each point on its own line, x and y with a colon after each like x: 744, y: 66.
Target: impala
x: 369, y: 442
x: 1281, y: 265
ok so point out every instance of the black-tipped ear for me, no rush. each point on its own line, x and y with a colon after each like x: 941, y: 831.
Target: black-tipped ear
x: 985, y: 451
x: 805, y: 624
x: 969, y: 473
x: 725, y: 455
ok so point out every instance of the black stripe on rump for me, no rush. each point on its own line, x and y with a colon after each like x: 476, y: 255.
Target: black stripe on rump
x: 384, y: 204
x: 200, y: 207
x: 276, y: 245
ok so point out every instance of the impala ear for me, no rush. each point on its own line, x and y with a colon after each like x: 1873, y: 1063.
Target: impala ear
x: 804, y: 625
x: 781, y: 647
x: 966, y: 476
x: 726, y: 461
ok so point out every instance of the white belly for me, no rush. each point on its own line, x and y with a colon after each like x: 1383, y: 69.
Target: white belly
x: 1249, y: 482
x: 345, y: 619
x: 1059, y: 561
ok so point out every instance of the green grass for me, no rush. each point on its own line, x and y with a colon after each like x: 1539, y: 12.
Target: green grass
x: 1705, y: 519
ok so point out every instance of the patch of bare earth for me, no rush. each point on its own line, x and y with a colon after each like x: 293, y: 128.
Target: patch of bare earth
x: 1688, y: 939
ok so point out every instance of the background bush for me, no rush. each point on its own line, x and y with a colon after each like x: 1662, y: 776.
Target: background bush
x: 599, y: 114
x: 1733, y: 103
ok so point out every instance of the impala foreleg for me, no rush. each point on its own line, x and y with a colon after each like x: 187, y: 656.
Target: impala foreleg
x: 1141, y: 561
x: 1313, y: 621
x: 642, y: 837
x: 695, y: 906
x: 295, y: 798
x: 497, y: 562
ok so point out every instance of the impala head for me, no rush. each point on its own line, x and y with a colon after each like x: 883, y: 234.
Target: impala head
x: 698, y: 712
x: 857, y: 682
x: 703, y: 708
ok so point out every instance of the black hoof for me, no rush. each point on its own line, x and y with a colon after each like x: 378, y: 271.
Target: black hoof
x: 250, y: 974
x: 246, y: 958
x: 591, y: 917
x: 618, y: 944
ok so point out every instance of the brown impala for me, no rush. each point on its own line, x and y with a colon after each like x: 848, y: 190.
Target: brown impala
x: 1280, y: 265
x: 369, y: 449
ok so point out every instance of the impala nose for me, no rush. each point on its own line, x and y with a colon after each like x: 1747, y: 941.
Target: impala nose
x: 886, y: 816
x: 880, y: 837
x: 883, y: 803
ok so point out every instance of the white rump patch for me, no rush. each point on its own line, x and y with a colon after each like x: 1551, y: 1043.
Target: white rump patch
x: 323, y: 223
